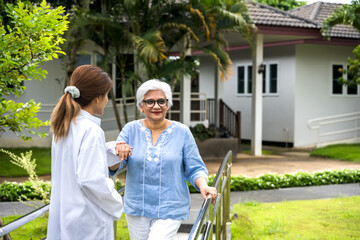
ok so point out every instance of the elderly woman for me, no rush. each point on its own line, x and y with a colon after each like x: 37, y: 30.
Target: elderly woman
x: 163, y: 157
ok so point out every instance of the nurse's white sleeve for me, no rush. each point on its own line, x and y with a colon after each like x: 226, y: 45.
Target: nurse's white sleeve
x: 112, y: 158
x: 92, y: 176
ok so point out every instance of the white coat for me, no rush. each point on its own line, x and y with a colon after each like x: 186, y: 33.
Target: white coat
x: 83, y: 203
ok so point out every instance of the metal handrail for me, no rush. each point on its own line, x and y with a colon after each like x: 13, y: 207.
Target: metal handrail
x: 7, y: 228
x: 210, y: 213
x: 11, y: 226
x: 317, y: 123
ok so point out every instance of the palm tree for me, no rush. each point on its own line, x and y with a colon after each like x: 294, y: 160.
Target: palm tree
x: 350, y: 15
x: 150, y: 29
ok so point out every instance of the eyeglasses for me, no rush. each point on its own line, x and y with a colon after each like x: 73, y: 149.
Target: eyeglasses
x: 151, y: 102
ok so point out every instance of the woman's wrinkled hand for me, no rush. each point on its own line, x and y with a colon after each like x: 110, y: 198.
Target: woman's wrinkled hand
x: 123, y: 150
x: 207, y: 192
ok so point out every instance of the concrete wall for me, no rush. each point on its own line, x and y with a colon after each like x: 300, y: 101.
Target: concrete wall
x: 314, y: 96
x: 215, y: 148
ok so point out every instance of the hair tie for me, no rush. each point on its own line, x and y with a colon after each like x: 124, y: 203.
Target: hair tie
x: 74, y: 91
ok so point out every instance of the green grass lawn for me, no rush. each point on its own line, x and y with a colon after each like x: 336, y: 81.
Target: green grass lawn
x: 346, y: 152
x: 311, y: 219
x: 42, y: 156
x: 36, y: 229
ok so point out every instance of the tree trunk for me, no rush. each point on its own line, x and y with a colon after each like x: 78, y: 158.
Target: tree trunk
x: 124, y: 92
x: 106, y: 62
x: 71, y: 61
x: 6, y: 236
x: 116, y: 112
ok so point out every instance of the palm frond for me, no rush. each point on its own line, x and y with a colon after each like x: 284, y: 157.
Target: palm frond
x: 181, y: 27
x: 221, y: 57
x: 151, y: 46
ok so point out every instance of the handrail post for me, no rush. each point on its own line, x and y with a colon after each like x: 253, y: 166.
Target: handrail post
x: 238, y: 129
x: 219, y: 212
x: 221, y: 110
x: 224, y: 209
x: 227, y: 222
x: 211, y: 213
x: 6, y: 236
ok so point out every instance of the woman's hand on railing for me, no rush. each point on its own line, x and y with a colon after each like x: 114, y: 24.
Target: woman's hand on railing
x: 209, y: 192
x: 205, y: 190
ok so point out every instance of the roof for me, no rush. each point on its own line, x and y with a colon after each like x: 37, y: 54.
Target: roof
x: 308, y: 16
x: 319, y: 11
x: 262, y: 14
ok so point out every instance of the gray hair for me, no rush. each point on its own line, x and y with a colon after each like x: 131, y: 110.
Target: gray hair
x: 153, y: 84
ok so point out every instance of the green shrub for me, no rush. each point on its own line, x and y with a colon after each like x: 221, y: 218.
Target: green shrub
x: 299, y: 179
x: 201, y: 133
x: 12, y: 191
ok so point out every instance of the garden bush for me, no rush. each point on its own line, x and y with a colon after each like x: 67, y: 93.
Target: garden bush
x: 298, y: 179
x: 11, y: 191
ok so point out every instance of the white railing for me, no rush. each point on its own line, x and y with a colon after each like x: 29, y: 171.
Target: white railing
x: 337, y: 128
x: 199, y: 102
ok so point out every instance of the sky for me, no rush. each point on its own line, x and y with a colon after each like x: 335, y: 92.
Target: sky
x: 331, y: 1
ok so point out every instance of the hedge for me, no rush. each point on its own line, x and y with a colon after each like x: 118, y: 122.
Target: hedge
x: 11, y: 191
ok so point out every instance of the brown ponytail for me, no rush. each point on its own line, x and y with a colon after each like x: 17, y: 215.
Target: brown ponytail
x: 92, y: 82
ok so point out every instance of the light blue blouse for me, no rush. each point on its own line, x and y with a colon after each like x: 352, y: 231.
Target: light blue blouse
x: 156, y: 175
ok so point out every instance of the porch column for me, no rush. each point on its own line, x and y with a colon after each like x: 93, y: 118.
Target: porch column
x: 185, y: 92
x: 185, y: 97
x: 219, y: 93
x: 256, y: 113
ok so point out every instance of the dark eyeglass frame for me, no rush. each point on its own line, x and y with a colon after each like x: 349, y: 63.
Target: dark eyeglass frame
x: 151, y: 105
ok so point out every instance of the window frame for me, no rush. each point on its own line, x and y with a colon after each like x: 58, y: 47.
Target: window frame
x: 246, y: 67
x: 344, y: 89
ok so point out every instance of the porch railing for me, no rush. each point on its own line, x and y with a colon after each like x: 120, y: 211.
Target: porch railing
x: 336, y: 129
x: 198, y: 110
x: 229, y: 119
x: 217, y: 215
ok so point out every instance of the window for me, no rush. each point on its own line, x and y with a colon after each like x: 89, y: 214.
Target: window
x: 241, y: 80
x: 336, y: 74
x: 82, y: 59
x: 351, y: 89
x: 270, y: 79
x: 337, y: 87
x: 273, y: 78
x: 249, y: 79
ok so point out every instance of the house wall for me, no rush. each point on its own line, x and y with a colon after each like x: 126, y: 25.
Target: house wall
x: 207, y: 77
x: 314, y: 88
x: 278, y: 113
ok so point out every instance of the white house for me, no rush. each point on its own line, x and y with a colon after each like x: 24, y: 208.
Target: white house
x: 299, y: 80
x: 298, y: 84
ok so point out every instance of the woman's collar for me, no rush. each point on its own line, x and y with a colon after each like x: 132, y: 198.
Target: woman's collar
x: 91, y: 117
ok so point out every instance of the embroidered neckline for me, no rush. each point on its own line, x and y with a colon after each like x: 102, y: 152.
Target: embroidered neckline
x: 153, y: 152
